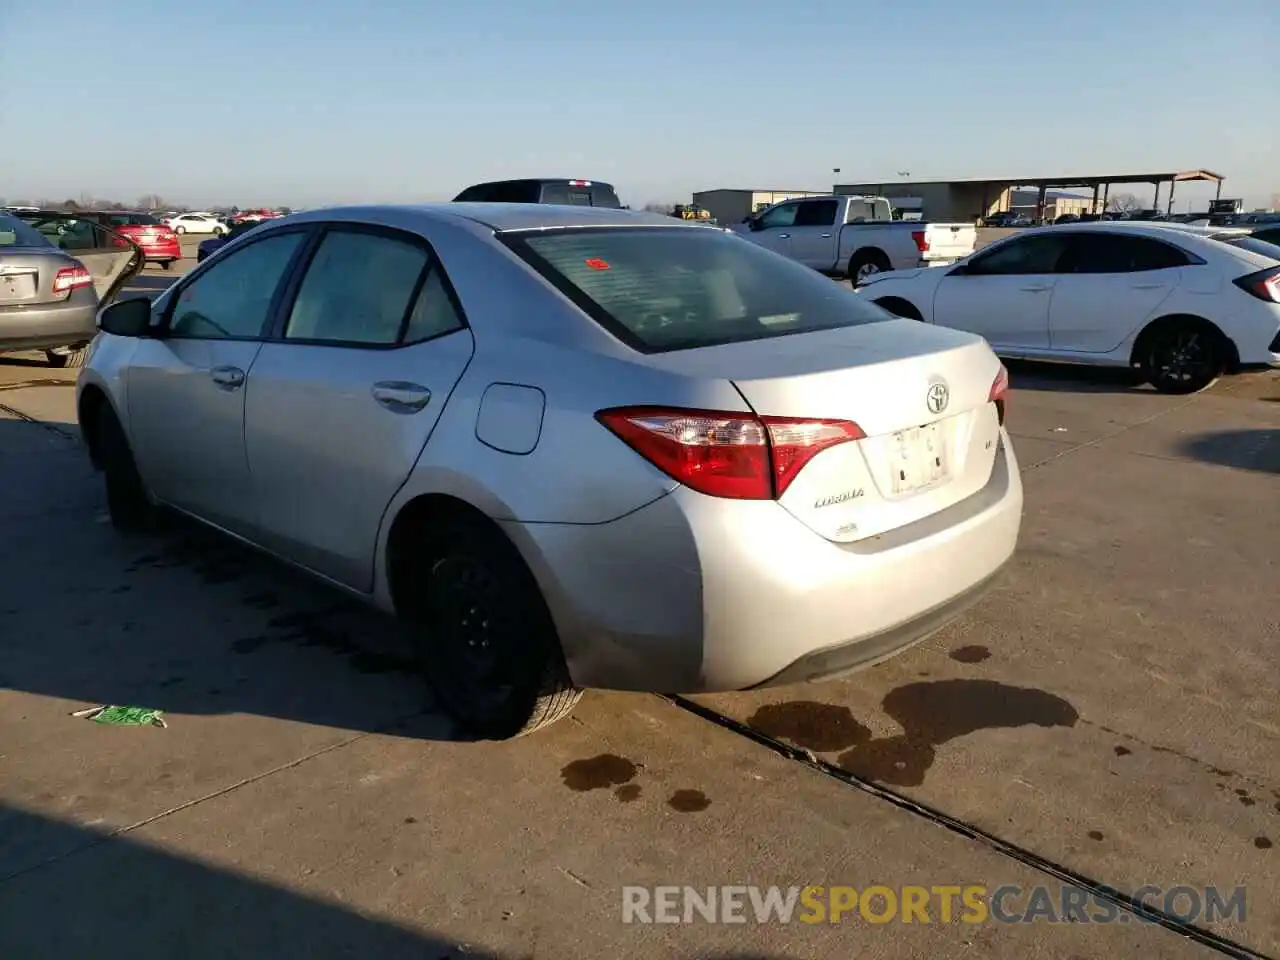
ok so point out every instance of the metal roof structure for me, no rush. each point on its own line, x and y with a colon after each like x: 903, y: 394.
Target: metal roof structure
x: 1171, y: 176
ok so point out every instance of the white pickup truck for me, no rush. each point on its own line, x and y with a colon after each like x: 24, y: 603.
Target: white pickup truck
x: 855, y: 237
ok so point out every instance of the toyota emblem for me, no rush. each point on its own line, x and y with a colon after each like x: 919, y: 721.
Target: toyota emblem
x: 938, y: 397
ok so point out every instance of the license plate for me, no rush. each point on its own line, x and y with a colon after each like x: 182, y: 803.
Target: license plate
x: 941, y: 263
x: 21, y: 286
x: 918, y: 458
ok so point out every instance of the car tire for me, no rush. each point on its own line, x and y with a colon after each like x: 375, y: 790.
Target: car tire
x: 66, y: 356
x: 1182, y: 356
x: 218, y: 231
x: 179, y: 229
x: 483, y: 633
x: 128, y: 503
x: 166, y: 264
x: 865, y: 263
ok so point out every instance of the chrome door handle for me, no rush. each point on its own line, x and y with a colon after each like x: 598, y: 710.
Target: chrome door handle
x: 784, y: 236
x: 229, y: 378
x: 826, y: 236
x: 1037, y: 287
x: 399, y: 396
x: 1148, y: 286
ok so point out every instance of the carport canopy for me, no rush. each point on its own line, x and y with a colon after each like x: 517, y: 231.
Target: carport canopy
x: 1102, y: 182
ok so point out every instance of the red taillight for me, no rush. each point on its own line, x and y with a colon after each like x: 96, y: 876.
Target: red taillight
x: 733, y: 455
x: 579, y: 183
x: 998, y: 391
x: 71, y: 278
x: 922, y: 241
x: 1265, y: 284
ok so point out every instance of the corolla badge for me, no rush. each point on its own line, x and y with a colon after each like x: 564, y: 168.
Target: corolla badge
x: 938, y: 397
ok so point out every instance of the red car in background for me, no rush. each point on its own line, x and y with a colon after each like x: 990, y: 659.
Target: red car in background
x: 254, y: 216
x: 158, y: 242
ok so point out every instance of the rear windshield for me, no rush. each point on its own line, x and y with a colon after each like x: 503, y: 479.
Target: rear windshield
x: 19, y: 233
x: 130, y: 220
x: 659, y: 289
x: 596, y: 195
x: 1254, y: 245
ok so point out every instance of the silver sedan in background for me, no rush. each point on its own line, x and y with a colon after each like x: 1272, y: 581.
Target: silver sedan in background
x: 568, y: 446
x: 55, y: 272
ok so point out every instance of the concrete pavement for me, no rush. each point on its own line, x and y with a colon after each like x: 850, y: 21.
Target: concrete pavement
x: 1108, y: 714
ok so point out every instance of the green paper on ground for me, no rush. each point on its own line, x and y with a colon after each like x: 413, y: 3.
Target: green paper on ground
x: 124, y: 716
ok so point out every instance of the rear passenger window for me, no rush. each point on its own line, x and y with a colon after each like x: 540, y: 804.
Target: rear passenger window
x: 357, y: 289
x: 1114, y: 253
x: 433, y: 313
x: 817, y: 213
x: 559, y: 193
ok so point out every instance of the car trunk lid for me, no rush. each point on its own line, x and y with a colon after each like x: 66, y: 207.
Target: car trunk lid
x: 921, y: 395
x: 19, y: 280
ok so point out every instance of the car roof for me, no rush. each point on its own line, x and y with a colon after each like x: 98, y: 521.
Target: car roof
x: 543, y: 180
x: 1159, y: 229
x: 505, y: 216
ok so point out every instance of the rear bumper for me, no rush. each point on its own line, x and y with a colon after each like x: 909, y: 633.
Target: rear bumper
x: 693, y: 594
x: 162, y: 251
x: 66, y: 324
x: 865, y: 652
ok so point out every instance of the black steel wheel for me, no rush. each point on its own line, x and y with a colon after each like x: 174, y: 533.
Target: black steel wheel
x: 484, y: 635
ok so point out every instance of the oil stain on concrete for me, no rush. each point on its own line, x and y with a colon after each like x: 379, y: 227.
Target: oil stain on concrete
x: 599, y: 773
x: 318, y: 628
x: 821, y: 727
x: 627, y: 793
x: 688, y: 801
x: 930, y: 714
x: 970, y: 654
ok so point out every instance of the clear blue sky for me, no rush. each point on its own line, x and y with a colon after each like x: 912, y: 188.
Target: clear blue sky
x: 307, y: 102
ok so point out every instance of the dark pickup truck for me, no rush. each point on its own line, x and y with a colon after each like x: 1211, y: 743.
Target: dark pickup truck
x: 578, y: 193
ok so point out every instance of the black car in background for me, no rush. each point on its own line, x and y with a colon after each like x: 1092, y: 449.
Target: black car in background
x: 208, y: 247
x: 578, y: 193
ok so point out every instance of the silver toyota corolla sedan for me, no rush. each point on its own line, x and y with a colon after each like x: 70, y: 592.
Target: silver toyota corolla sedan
x: 568, y: 446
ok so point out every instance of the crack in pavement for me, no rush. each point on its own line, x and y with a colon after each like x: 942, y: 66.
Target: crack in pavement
x: 222, y: 791
x: 1109, y: 436
x: 35, y: 421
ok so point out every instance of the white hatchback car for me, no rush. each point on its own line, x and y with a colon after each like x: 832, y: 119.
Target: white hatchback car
x: 1179, y: 305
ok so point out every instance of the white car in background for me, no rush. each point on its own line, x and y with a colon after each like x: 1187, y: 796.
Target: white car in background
x: 197, y: 223
x: 1179, y: 305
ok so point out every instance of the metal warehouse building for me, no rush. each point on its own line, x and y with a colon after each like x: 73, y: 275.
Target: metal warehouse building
x: 732, y: 206
x: 973, y: 199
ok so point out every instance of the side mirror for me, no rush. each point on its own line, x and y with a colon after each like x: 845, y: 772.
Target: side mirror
x: 127, y: 318
x: 755, y: 225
